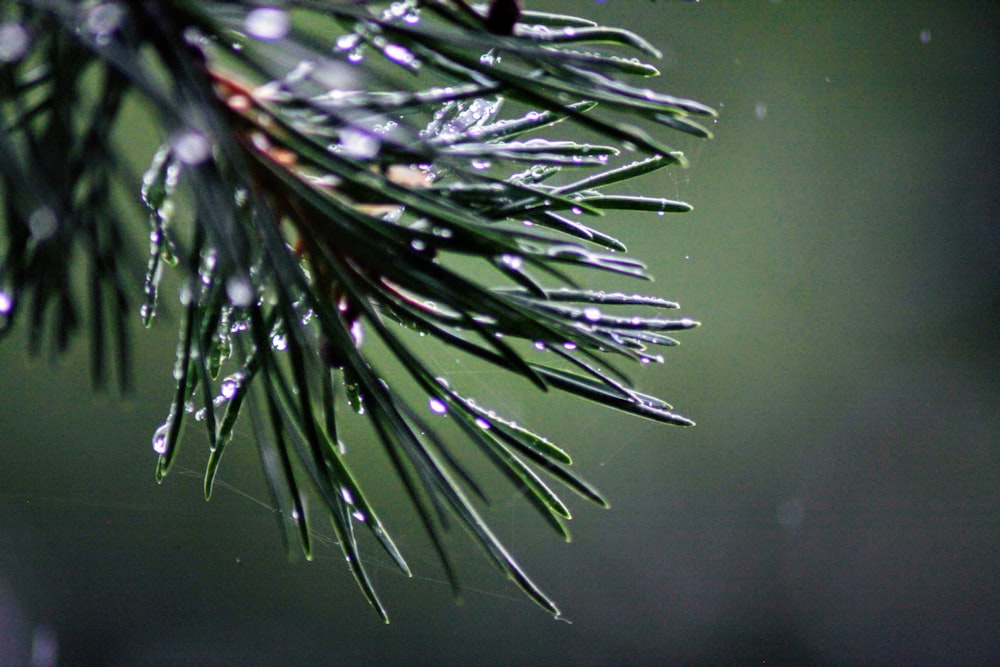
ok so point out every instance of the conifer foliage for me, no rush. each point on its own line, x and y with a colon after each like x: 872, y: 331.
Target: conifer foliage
x: 329, y: 172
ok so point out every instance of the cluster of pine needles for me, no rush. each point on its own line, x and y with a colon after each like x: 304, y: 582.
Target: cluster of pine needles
x: 331, y: 171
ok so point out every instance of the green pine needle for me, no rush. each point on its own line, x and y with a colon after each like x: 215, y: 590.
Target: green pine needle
x: 325, y: 168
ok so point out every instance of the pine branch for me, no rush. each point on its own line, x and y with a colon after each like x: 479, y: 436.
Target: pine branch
x: 334, y: 162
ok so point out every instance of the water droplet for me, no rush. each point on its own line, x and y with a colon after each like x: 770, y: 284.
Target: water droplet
x: 268, y: 23
x: 569, y: 345
x: 103, y: 19
x: 279, y: 342
x: 14, y: 42
x: 230, y: 385
x: 418, y: 244
x: 437, y: 406
x: 359, y: 144
x: 240, y: 291
x: 539, y: 345
x: 346, y: 494
x: 6, y: 302
x: 43, y: 223
x: 160, y: 438
x: 481, y: 164
x: 483, y: 424
x: 592, y: 313
x: 348, y: 41
x: 358, y: 515
x: 191, y: 147
x: 512, y: 262
x: 357, y: 333
x: 401, y: 55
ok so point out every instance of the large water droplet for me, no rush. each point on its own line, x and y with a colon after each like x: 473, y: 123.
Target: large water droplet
x: 43, y: 223
x: 357, y: 332
x: 6, y: 302
x: 401, y: 55
x: 184, y: 294
x: 103, y: 19
x: 359, y: 144
x: 240, y: 291
x: 160, y: 438
x: 512, y: 262
x: 348, y: 41
x: 268, y: 23
x: 230, y: 385
x: 592, y: 314
x: 191, y: 147
x: 14, y: 42
x: 437, y: 406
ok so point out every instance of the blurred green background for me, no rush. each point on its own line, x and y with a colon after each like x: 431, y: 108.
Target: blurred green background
x: 838, y: 502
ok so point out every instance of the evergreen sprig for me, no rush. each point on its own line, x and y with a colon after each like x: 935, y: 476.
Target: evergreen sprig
x: 328, y: 169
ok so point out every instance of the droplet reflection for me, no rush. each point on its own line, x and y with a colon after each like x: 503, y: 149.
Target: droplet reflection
x: 14, y: 42
x: 268, y: 23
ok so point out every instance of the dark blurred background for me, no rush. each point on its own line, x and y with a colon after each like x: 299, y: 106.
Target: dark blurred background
x: 837, y: 504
